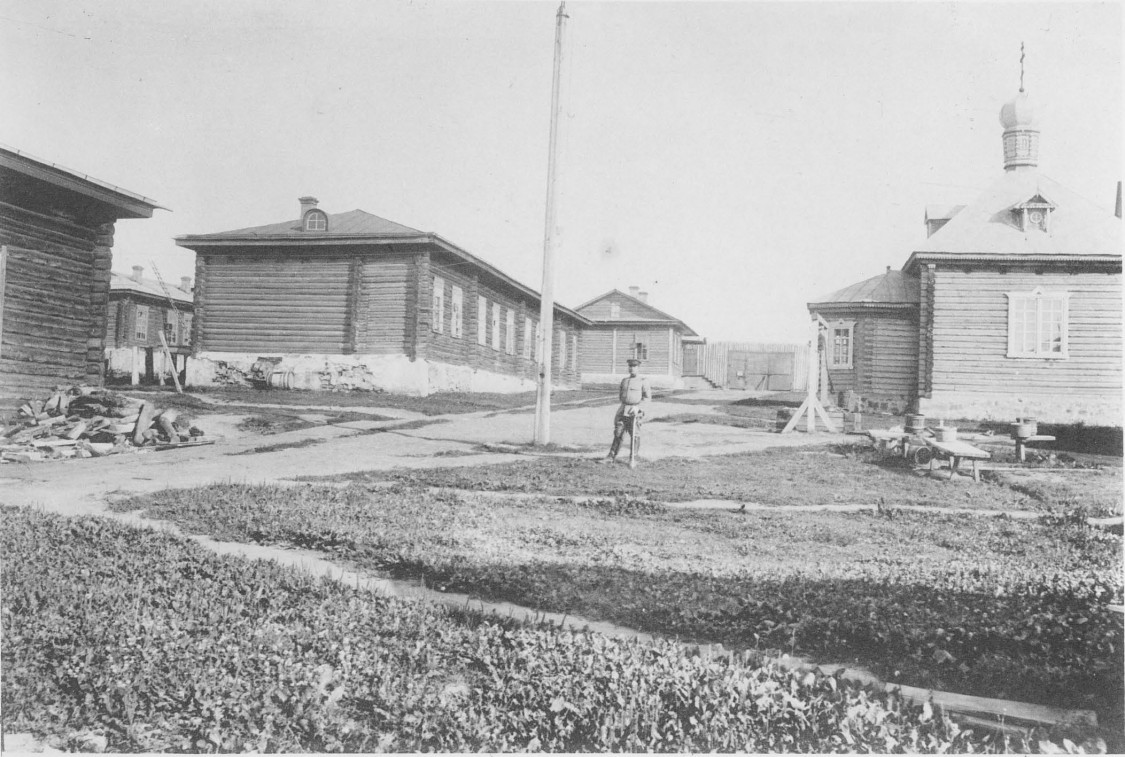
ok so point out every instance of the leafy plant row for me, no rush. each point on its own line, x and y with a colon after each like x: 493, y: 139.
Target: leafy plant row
x: 851, y: 473
x: 995, y: 626
x: 155, y: 644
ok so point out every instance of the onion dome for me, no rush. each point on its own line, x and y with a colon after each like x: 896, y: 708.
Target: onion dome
x: 1018, y: 113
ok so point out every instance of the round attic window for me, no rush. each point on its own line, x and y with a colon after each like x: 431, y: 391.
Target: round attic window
x: 316, y: 220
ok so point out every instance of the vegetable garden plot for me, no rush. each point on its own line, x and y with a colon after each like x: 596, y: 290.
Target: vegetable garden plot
x: 783, y: 476
x: 154, y: 644
x: 980, y: 606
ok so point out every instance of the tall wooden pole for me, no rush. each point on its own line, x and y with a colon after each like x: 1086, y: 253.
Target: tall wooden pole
x: 550, y: 244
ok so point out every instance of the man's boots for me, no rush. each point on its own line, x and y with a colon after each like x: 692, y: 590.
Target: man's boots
x: 612, y: 456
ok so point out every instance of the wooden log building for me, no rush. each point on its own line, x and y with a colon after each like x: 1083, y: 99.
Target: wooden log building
x: 56, y: 249
x: 352, y: 300
x: 623, y: 326
x: 1010, y: 308
x: 140, y: 310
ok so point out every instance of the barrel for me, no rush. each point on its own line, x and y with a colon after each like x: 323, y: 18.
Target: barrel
x: 915, y: 422
x: 1026, y: 428
x: 280, y: 379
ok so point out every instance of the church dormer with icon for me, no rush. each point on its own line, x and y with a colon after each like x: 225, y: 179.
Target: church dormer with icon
x: 1034, y: 214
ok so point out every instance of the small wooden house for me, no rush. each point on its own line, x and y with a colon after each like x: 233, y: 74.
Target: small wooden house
x: 140, y: 309
x: 352, y: 300
x: 623, y: 326
x: 870, y: 343
x: 56, y: 248
x: 1010, y: 308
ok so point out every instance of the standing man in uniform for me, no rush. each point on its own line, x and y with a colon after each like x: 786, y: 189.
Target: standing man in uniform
x: 634, y: 390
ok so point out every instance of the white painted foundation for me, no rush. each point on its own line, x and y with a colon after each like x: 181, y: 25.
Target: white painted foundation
x: 121, y: 361
x: 1091, y: 410
x: 390, y: 373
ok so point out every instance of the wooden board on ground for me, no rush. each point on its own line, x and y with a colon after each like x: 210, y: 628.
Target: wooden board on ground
x: 957, y: 450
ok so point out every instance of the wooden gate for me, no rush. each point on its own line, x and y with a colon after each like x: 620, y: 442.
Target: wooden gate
x: 693, y: 359
x: 760, y: 371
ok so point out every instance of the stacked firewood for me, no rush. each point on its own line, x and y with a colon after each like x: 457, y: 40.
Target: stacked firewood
x: 90, y: 422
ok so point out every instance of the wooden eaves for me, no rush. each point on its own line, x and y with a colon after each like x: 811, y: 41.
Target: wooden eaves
x: 124, y: 203
x: 194, y: 242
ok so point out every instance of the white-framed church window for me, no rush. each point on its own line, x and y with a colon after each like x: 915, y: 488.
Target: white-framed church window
x: 1038, y: 322
x: 840, y: 344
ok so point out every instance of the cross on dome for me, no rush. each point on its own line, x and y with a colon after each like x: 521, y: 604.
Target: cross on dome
x: 1021, y: 135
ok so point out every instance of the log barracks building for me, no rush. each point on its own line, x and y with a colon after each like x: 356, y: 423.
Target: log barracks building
x: 352, y: 300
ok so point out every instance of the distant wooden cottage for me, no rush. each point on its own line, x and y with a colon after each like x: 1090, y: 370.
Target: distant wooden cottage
x: 56, y: 248
x: 1017, y: 299
x: 140, y: 309
x: 352, y: 300
x: 623, y: 326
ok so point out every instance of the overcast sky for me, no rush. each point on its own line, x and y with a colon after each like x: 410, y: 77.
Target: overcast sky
x: 735, y: 159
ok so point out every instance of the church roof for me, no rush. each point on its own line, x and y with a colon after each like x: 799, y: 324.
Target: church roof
x: 890, y: 288
x: 351, y: 224
x: 989, y: 226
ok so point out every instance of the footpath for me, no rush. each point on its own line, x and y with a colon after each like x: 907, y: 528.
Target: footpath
x: 407, y: 440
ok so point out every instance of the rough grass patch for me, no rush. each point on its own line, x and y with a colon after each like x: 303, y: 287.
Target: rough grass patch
x: 220, y: 654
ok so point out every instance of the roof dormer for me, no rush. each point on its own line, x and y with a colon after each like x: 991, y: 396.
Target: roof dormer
x: 1034, y: 214
x: 312, y: 219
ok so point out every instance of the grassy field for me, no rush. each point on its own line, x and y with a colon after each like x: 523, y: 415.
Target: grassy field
x: 984, y: 606
x: 787, y: 476
x: 130, y: 640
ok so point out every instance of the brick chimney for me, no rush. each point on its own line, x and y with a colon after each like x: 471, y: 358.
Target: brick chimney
x: 642, y: 296
x: 185, y: 283
x: 307, y: 204
x: 634, y: 291
x: 138, y: 271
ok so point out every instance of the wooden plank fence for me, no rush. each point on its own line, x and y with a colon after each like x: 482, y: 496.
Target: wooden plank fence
x: 716, y: 360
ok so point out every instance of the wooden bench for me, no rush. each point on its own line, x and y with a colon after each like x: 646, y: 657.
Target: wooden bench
x: 957, y: 451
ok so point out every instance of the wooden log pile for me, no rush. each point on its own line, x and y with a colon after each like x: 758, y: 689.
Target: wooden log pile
x: 84, y: 421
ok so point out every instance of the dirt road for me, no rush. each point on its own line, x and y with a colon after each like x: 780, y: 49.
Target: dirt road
x: 82, y: 486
